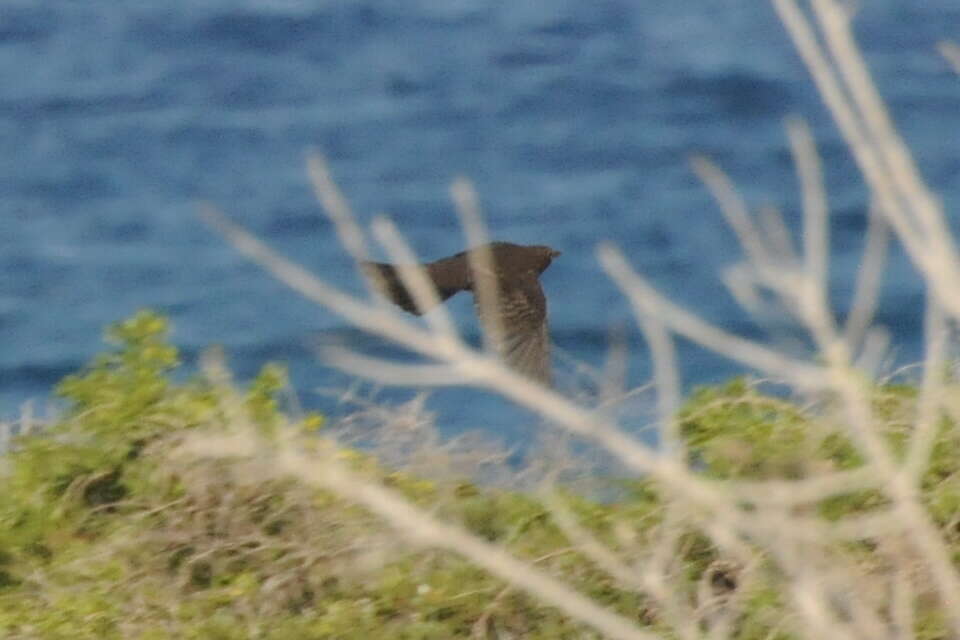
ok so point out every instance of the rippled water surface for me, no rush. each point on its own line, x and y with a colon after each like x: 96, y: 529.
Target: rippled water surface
x: 575, y: 121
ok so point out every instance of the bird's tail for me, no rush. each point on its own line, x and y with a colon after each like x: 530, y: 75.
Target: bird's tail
x: 388, y: 281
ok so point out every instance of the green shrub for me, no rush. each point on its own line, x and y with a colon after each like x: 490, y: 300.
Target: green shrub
x: 105, y: 533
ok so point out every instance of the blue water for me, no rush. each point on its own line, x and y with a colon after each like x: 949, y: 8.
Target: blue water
x: 575, y: 121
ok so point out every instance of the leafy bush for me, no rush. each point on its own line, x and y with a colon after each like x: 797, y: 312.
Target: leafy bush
x: 106, y: 533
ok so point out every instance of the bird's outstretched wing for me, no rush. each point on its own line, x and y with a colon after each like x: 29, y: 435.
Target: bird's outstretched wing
x: 518, y: 331
x: 448, y: 276
x: 515, y: 325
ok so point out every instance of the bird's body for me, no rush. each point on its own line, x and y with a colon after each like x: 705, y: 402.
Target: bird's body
x: 507, y: 274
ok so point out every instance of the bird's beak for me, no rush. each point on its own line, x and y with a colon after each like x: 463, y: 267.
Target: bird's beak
x: 555, y: 254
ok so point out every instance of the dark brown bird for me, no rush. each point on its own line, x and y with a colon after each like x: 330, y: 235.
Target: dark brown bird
x: 516, y: 321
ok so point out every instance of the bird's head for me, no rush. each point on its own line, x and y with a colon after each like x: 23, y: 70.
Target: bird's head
x: 545, y: 256
x: 512, y: 258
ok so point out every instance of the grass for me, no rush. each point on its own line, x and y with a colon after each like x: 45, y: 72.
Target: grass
x: 199, y: 509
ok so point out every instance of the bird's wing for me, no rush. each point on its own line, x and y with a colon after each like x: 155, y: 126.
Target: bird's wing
x: 448, y: 276
x: 519, y: 331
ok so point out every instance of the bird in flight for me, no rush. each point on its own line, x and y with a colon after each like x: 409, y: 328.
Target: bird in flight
x: 508, y: 275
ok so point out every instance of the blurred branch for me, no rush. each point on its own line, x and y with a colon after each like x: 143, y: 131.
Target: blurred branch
x: 752, y: 354
x: 950, y: 51
x: 422, y: 527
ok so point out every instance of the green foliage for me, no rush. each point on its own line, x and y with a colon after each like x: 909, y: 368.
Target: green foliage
x: 82, y: 481
x: 105, y: 532
x: 66, y: 480
x: 121, y: 384
x: 734, y: 431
